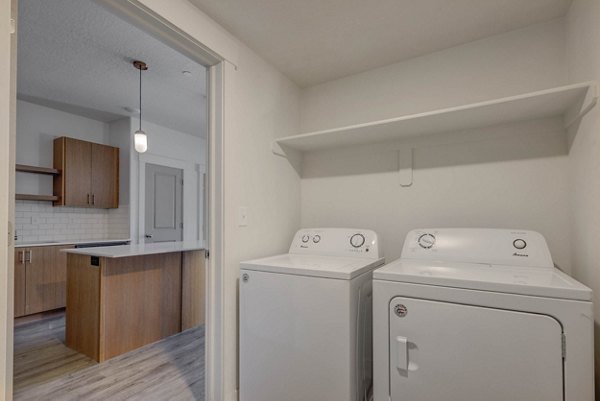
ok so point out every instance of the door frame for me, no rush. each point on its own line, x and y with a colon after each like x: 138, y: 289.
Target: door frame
x: 151, y: 22
x: 8, y: 105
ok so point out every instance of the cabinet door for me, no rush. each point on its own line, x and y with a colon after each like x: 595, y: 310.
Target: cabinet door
x: 19, y: 282
x: 59, y: 280
x: 45, y: 279
x: 77, y: 171
x: 105, y: 176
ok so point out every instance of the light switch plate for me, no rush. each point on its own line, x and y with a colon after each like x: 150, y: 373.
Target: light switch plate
x: 243, y: 216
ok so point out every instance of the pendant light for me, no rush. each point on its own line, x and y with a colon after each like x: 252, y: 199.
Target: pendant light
x: 140, y: 139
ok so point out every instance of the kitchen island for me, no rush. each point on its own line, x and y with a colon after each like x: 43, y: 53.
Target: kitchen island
x: 120, y: 298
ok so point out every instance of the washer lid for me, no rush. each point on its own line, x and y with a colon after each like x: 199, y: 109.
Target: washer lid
x: 551, y: 283
x: 344, y: 268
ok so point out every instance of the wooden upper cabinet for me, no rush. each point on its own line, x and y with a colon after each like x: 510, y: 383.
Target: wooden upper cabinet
x: 105, y: 176
x: 89, y: 174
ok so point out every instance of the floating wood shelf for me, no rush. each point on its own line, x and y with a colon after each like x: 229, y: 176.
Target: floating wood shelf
x: 36, y: 170
x: 46, y: 198
x: 570, y: 102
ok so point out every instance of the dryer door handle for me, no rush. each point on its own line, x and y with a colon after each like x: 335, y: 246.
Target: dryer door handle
x: 401, y: 353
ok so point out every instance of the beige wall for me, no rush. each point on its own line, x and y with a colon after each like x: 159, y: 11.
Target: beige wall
x: 583, y: 57
x: 511, y: 176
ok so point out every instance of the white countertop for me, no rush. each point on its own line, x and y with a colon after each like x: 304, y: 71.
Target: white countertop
x: 59, y: 243
x: 124, y: 251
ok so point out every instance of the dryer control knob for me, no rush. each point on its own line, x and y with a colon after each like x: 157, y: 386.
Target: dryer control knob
x: 357, y: 240
x: 520, y: 243
x: 317, y: 239
x: 305, y: 238
x: 426, y: 241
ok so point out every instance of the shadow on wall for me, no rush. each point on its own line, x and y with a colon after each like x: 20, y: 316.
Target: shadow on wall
x: 524, y: 140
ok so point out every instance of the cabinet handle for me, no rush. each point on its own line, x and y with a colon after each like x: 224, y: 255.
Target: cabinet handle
x: 21, y: 256
x: 93, y: 199
x: 26, y: 254
x: 30, y: 256
x: 88, y: 199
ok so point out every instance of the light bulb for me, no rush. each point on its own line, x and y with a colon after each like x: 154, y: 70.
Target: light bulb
x: 140, y: 141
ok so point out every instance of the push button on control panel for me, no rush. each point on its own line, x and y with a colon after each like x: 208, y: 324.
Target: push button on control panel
x: 519, y: 243
x: 317, y: 239
x: 305, y: 238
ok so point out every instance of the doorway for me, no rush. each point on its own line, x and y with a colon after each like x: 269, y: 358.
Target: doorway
x: 163, y: 204
x: 214, y: 144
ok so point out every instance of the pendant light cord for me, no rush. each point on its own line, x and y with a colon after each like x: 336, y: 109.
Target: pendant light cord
x: 140, y: 99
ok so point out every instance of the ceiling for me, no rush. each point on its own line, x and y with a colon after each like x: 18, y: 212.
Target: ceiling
x: 76, y: 56
x: 313, y: 41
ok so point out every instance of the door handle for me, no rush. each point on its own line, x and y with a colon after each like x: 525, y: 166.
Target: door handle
x: 30, y: 254
x: 402, y: 353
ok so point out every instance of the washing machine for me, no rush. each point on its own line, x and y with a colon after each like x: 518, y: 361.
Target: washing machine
x: 305, y: 319
x: 480, y: 315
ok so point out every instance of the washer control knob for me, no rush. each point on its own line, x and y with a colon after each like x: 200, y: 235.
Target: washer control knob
x: 357, y: 240
x: 305, y: 238
x: 317, y: 239
x: 519, y: 243
x: 426, y: 241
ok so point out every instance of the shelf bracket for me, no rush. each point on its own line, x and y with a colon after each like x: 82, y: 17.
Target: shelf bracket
x: 405, y: 166
x: 276, y: 149
x: 579, y: 111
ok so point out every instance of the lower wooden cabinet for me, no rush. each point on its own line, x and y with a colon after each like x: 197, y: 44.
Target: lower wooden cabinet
x: 19, y: 282
x: 40, y: 279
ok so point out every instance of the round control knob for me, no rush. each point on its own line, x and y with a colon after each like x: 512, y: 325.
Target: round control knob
x: 426, y: 241
x: 305, y: 238
x: 316, y: 239
x: 357, y: 240
x: 520, y: 243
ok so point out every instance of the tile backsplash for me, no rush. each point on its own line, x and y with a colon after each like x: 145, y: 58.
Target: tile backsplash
x: 40, y: 221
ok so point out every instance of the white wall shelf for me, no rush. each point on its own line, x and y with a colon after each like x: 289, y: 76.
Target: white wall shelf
x: 571, y: 102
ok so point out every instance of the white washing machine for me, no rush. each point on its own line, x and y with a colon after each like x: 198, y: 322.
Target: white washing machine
x: 480, y: 315
x: 305, y: 319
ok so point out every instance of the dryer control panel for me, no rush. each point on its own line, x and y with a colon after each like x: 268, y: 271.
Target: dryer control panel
x: 478, y: 245
x: 349, y: 242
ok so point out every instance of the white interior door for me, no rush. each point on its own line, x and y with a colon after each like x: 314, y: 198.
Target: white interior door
x: 164, y: 204
x: 452, y: 352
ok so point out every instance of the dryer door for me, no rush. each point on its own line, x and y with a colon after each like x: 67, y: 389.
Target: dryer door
x: 453, y: 352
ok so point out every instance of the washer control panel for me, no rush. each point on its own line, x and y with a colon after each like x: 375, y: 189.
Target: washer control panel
x: 478, y: 245
x: 349, y: 242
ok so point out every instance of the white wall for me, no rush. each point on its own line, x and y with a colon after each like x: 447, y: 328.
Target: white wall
x: 37, y: 127
x: 260, y: 105
x: 502, y: 65
x: 583, y: 56
x: 511, y: 176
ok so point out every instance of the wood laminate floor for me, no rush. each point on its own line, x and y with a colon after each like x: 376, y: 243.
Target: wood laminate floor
x: 45, y: 369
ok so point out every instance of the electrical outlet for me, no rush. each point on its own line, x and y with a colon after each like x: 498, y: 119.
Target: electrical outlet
x: 243, y: 216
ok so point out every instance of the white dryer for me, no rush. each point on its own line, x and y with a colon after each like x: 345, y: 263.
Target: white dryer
x: 480, y: 315
x: 305, y: 319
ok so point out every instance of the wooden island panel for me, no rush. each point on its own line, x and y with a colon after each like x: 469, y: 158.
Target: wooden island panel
x: 83, y: 306
x: 141, y: 302
x: 122, y: 303
x: 193, y: 297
